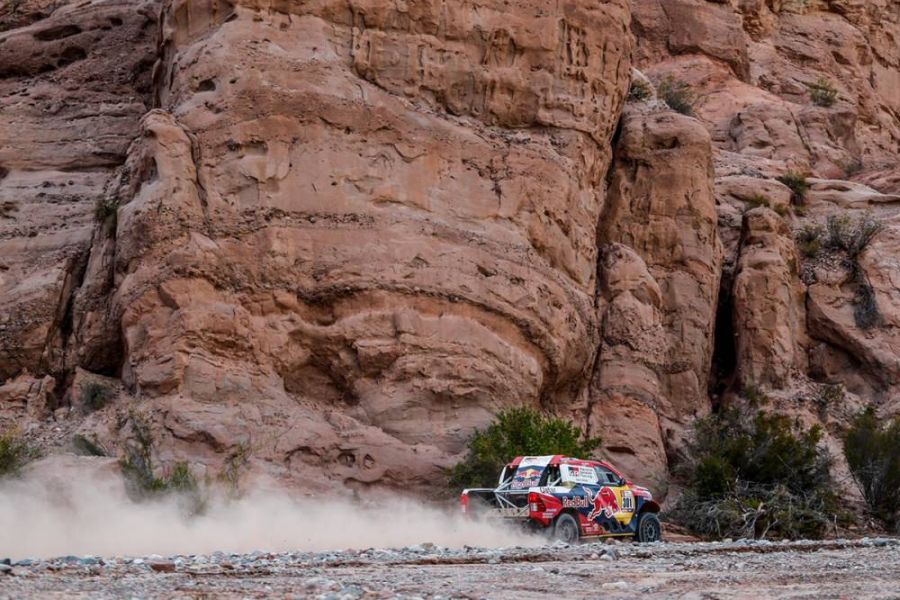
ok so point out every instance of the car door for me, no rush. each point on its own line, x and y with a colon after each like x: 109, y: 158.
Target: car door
x: 617, y: 499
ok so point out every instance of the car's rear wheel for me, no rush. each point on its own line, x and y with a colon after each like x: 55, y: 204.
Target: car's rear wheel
x: 566, y: 529
x: 648, y: 529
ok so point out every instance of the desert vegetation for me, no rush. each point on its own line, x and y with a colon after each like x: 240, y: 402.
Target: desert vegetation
x: 798, y: 185
x: 15, y: 452
x: 822, y: 93
x: 142, y: 483
x: 94, y: 396
x: 872, y: 448
x: 639, y: 91
x: 677, y: 95
x: 516, y: 432
x: 755, y: 474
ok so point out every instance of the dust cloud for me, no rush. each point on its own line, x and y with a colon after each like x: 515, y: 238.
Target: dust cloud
x: 61, y: 512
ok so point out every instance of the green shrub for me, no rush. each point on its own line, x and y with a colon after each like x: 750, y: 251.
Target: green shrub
x: 517, y: 432
x: 15, y: 453
x: 873, y: 453
x: 809, y: 239
x: 105, y: 208
x: 822, y: 93
x: 781, y: 210
x: 755, y: 475
x: 852, y: 236
x: 94, y: 395
x: 639, y: 91
x: 798, y: 185
x: 677, y: 95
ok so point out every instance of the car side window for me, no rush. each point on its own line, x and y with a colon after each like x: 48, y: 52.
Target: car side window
x: 606, y: 476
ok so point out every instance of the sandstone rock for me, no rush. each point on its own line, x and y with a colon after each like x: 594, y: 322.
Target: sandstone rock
x: 346, y: 253
x: 73, y: 87
x: 769, y: 316
x: 661, y: 204
x: 626, y: 390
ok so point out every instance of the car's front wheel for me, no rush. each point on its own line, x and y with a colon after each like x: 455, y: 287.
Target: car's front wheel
x: 566, y: 529
x: 648, y: 529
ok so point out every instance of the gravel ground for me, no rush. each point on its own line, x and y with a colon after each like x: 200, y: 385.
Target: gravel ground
x: 867, y: 568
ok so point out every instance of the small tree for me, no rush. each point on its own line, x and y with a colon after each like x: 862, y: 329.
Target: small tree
x: 517, y: 432
x: 873, y: 453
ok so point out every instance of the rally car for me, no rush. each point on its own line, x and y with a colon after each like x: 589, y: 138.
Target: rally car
x: 568, y: 498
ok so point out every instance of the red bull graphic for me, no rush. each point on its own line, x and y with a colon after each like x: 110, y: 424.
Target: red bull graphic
x: 604, y: 502
x: 570, y: 499
x: 526, y: 477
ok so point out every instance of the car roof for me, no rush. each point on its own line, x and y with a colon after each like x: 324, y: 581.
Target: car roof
x: 559, y: 459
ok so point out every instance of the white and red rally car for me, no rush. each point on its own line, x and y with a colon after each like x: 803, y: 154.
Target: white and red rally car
x: 570, y: 498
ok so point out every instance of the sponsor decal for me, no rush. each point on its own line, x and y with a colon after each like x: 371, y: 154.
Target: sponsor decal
x: 603, y: 503
x: 628, y: 501
x: 537, y: 461
x: 576, y: 502
x: 527, y: 477
x: 576, y: 474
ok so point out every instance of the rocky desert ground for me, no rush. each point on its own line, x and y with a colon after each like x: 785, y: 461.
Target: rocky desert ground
x: 866, y: 568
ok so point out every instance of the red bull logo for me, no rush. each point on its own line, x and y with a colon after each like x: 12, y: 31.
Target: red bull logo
x: 605, y: 503
x: 526, y: 477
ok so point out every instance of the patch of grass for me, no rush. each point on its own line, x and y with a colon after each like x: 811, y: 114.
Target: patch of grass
x: 755, y: 201
x: 852, y: 236
x: 822, y: 93
x: 141, y: 481
x: 756, y: 475
x: 809, y: 239
x: 15, y: 453
x: 798, y: 185
x: 517, y: 432
x: 94, y: 395
x: 872, y: 448
x: 782, y: 210
x: 84, y: 446
x: 677, y: 95
x: 235, y: 465
x: 639, y: 91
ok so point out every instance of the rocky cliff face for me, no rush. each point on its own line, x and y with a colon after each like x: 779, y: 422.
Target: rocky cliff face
x: 337, y: 236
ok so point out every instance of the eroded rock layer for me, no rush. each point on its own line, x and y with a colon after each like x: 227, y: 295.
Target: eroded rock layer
x: 332, y: 238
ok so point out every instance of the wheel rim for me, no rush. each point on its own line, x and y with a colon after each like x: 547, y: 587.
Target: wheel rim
x: 649, y: 530
x: 567, y: 532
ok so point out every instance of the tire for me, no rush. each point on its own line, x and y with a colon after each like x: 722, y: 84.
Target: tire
x: 566, y: 529
x: 648, y: 528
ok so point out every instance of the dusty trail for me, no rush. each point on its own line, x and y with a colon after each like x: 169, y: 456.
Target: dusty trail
x: 868, y: 568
